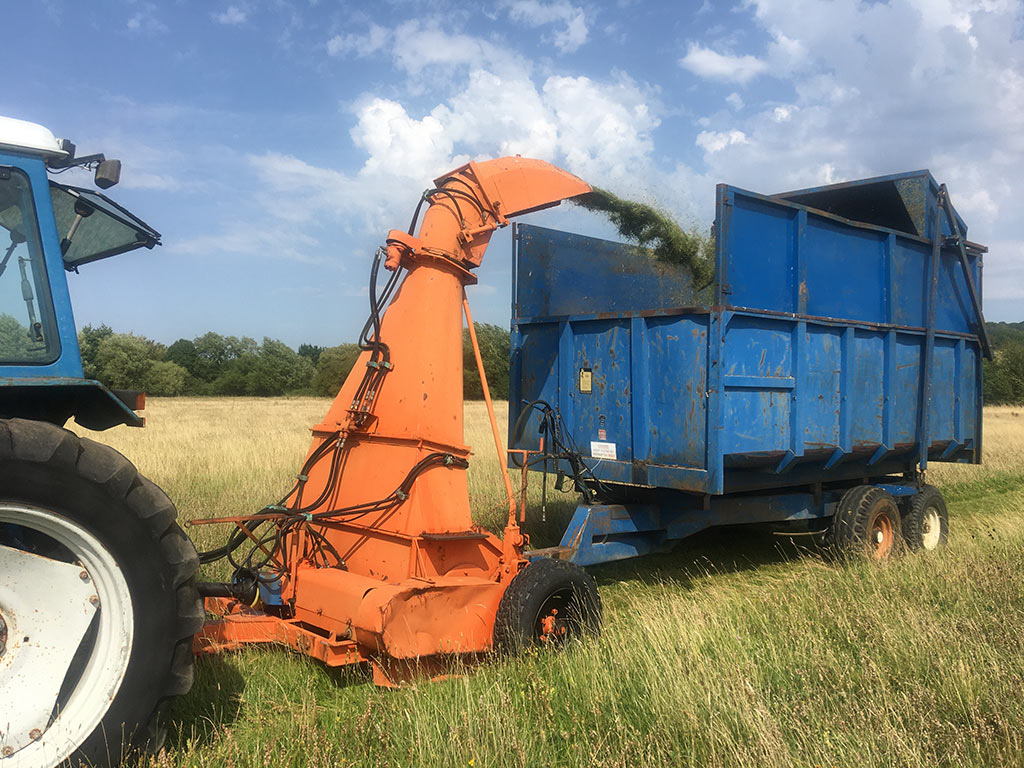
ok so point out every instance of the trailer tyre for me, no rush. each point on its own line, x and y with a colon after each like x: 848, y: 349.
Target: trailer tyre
x: 925, y: 520
x: 80, y: 505
x: 866, y: 523
x: 548, y: 603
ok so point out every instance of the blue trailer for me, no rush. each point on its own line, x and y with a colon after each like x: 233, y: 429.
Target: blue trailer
x: 837, y: 354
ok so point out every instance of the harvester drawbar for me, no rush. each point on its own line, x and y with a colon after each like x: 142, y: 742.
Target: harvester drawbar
x: 373, y: 555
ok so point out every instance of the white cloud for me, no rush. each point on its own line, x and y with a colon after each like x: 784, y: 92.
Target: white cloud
x: 600, y: 130
x: 370, y: 42
x: 423, y: 47
x: 856, y: 89
x: 400, y: 145
x: 873, y: 88
x: 784, y: 113
x: 604, y: 129
x: 535, y: 13
x: 145, y: 20
x: 143, y: 180
x: 423, y: 44
x: 232, y: 16
x: 847, y: 115
x: 1004, y: 270
x: 785, y: 54
x: 715, y: 141
x: 706, y: 63
x: 881, y: 88
x: 510, y: 114
x: 887, y: 87
x: 272, y: 242
x: 145, y: 163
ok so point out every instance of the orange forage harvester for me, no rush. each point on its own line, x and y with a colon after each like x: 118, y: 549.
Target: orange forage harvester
x: 374, y: 555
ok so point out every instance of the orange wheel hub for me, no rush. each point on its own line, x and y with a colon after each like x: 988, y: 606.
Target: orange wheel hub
x: 882, y: 536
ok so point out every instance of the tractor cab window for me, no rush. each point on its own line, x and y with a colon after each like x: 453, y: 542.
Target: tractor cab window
x: 91, y: 226
x: 28, y: 333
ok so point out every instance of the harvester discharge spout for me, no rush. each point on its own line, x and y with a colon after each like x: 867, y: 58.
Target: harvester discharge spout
x: 374, y: 554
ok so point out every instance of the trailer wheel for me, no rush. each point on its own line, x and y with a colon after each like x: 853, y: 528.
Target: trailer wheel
x: 547, y: 603
x: 866, y: 522
x: 97, y: 600
x: 926, y: 520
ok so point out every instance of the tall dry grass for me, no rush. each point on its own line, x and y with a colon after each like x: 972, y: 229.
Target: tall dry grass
x: 736, y: 649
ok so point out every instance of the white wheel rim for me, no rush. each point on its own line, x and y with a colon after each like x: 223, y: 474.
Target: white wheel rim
x: 931, y: 528
x: 105, y: 652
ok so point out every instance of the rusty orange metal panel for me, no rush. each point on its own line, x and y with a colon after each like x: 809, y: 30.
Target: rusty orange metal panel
x: 445, y: 616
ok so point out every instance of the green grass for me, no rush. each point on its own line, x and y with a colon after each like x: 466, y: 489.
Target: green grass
x: 739, y: 648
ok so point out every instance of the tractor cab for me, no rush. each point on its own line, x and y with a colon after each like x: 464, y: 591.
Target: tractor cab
x: 47, y: 229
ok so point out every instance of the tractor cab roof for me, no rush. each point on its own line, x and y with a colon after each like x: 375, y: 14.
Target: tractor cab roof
x: 91, y: 226
x: 24, y: 136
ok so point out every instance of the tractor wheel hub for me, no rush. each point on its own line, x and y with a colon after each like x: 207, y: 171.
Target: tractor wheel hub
x: 47, y: 612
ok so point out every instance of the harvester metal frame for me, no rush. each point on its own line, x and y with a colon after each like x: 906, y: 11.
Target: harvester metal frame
x: 409, y: 580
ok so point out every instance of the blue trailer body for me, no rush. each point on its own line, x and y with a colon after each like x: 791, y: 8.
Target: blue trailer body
x: 822, y: 359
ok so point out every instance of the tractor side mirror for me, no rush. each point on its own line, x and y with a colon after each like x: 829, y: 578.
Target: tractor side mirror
x: 108, y: 173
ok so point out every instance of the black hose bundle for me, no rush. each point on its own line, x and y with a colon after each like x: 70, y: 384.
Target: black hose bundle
x: 237, y: 537
x: 268, y: 550
x: 369, y: 338
x: 558, y: 446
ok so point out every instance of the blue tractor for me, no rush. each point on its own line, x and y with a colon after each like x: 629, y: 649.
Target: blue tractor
x: 98, y: 603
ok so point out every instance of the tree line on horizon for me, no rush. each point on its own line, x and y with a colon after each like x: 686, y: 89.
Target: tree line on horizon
x: 1004, y: 375
x: 217, y: 365
x: 212, y: 364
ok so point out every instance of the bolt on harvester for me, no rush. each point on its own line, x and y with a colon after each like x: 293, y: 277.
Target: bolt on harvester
x: 836, y: 353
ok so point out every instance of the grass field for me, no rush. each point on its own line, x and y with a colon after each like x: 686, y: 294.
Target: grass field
x: 738, y: 648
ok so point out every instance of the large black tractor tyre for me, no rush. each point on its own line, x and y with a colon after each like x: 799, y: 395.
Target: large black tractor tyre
x: 547, y: 603
x: 866, y: 524
x: 50, y: 474
x: 925, y: 520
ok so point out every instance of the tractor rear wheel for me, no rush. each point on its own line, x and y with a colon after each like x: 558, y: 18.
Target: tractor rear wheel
x: 866, y: 522
x: 547, y: 603
x: 98, y: 603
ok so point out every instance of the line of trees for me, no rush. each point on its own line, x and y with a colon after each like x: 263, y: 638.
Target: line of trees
x: 1004, y: 375
x: 213, y: 364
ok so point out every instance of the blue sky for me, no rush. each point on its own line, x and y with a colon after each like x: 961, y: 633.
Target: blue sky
x: 274, y: 143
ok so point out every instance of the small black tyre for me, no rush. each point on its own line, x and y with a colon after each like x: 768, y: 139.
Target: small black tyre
x: 925, y: 520
x: 547, y: 603
x: 866, y: 523
x: 57, y: 489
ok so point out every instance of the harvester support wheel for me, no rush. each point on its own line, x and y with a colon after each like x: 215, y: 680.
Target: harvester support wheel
x: 97, y: 600
x: 547, y: 603
x: 866, y: 522
x: 925, y: 520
